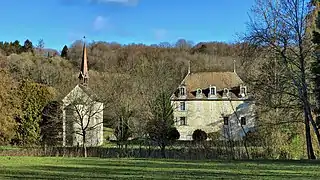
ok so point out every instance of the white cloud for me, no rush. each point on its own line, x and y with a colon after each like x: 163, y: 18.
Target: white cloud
x: 124, y: 2
x: 100, y: 23
x: 160, y: 34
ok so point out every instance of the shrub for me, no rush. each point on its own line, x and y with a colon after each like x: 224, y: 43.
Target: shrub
x: 253, y: 138
x: 199, y: 135
x: 214, y: 136
x: 173, y: 134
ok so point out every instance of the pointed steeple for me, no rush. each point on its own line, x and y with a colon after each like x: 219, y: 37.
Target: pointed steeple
x: 84, y: 76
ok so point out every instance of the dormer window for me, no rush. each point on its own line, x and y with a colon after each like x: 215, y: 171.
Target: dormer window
x: 213, y: 91
x: 225, y: 92
x: 243, y: 91
x: 199, y: 93
x: 182, y: 91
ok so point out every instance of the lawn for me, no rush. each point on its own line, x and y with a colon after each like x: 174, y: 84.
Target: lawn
x: 95, y: 168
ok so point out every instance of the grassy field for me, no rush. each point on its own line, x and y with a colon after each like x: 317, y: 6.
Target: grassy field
x: 95, y: 168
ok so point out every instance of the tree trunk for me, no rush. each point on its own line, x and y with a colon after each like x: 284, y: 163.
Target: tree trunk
x: 45, y: 149
x: 307, y: 112
x: 313, y: 123
x: 163, y: 151
x: 140, y: 149
x: 308, y: 137
x: 308, y: 117
x: 84, y: 148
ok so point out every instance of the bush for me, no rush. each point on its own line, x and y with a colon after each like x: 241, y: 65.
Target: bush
x: 199, y: 135
x: 173, y: 134
x: 214, y: 136
x: 252, y: 138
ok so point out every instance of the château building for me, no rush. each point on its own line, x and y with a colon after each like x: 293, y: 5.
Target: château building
x: 213, y: 102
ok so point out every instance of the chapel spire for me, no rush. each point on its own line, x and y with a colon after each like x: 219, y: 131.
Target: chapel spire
x: 84, y: 76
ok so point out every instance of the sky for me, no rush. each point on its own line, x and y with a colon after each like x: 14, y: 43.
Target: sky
x: 61, y: 22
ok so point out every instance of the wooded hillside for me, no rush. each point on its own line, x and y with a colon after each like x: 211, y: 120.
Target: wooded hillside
x: 120, y: 74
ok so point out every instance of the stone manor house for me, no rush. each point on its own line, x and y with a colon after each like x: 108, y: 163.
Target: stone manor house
x: 213, y: 102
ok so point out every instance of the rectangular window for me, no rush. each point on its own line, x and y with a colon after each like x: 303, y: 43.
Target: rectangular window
x: 182, y: 91
x: 225, y: 120
x: 182, y: 106
x: 183, y: 121
x: 199, y: 93
x: 243, y: 91
x: 225, y: 92
x: 213, y: 91
x: 243, y: 121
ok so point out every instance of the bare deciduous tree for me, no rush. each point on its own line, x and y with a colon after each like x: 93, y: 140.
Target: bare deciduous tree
x: 40, y: 45
x: 279, y: 30
x: 123, y: 129
x: 84, y: 120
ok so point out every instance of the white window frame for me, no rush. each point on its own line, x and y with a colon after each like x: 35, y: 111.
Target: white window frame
x: 180, y: 105
x: 185, y: 121
x: 199, y: 95
x: 210, y: 90
x: 184, y: 91
x: 226, y: 95
x: 243, y: 94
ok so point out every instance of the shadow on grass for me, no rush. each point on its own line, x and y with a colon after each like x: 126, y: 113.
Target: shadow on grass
x: 54, y: 172
x: 163, y: 163
x: 164, y: 169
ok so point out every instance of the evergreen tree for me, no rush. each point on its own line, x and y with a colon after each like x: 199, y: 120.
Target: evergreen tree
x: 51, y: 123
x: 64, y: 52
x: 11, y: 47
x: 28, y: 47
x: 16, y: 47
x: 161, y: 125
x: 34, y: 97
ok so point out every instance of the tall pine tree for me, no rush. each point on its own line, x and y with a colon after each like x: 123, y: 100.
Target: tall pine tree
x: 64, y: 52
x: 27, y: 47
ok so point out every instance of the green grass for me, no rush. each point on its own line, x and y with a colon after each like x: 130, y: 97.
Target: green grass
x: 8, y: 148
x: 95, y: 168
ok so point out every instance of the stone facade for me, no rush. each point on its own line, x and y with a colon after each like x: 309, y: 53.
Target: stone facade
x: 206, y: 106
x: 80, y: 111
